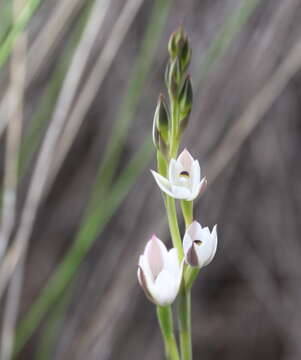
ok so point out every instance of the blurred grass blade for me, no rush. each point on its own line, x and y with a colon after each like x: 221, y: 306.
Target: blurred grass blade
x: 39, y: 122
x: 24, y: 17
x: 131, y: 100
x: 88, y: 232
x: 95, y: 222
x: 224, y: 39
x: 5, y: 20
x: 51, y: 332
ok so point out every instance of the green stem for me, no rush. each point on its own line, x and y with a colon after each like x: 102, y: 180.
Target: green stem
x: 184, y: 317
x: 190, y: 275
x: 164, y: 315
x: 174, y: 226
x: 187, y: 210
x: 184, y: 305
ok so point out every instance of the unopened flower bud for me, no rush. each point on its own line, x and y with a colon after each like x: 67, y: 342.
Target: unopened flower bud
x: 185, y: 55
x: 178, y: 46
x: 174, y: 77
x: 172, y: 45
x: 185, y: 99
x: 161, y: 126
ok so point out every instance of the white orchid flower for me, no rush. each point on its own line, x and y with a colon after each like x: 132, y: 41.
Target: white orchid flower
x: 159, y: 272
x: 184, y: 178
x: 199, y: 245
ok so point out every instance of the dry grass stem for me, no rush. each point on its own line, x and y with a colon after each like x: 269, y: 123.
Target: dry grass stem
x: 254, y: 113
x: 15, y: 119
x: 43, y: 46
x: 94, y: 81
x: 46, y: 155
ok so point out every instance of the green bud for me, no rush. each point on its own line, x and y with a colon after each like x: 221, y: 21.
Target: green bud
x: 161, y: 126
x: 166, y: 74
x: 172, y: 45
x: 178, y: 46
x: 185, y: 99
x: 174, y: 77
x: 185, y: 55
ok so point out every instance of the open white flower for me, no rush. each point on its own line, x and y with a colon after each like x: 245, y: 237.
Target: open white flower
x: 199, y: 245
x: 184, y: 178
x: 159, y: 272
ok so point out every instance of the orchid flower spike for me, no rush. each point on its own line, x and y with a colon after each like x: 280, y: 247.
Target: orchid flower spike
x: 184, y: 178
x: 159, y: 272
x: 199, y: 245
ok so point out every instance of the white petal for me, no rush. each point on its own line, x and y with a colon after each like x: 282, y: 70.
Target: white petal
x: 147, y: 284
x: 197, y: 188
x: 143, y: 263
x: 204, y: 252
x: 171, y: 262
x: 196, y: 173
x: 214, y: 245
x: 180, y: 192
x: 194, y: 230
x: 172, y: 171
x: 163, y: 183
x: 166, y: 288
x: 187, y: 242
x: 204, y: 234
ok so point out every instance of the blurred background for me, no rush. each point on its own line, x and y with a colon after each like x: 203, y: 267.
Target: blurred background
x: 79, y: 80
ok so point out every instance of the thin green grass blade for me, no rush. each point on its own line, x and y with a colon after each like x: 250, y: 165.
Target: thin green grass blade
x: 52, y: 328
x: 94, y: 223
x: 23, y: 19
x: 91, y: 229
x: 5, y: 20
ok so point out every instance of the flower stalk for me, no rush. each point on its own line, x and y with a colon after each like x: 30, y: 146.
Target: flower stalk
x: 164, y: 314
x: 166, y: 275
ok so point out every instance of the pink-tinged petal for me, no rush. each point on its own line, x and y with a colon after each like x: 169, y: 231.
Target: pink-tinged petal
x: 186, y: 160
x: 162, y: 182
x: 166, y: 288
x: 155, y: 252
x: 180, y: 192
